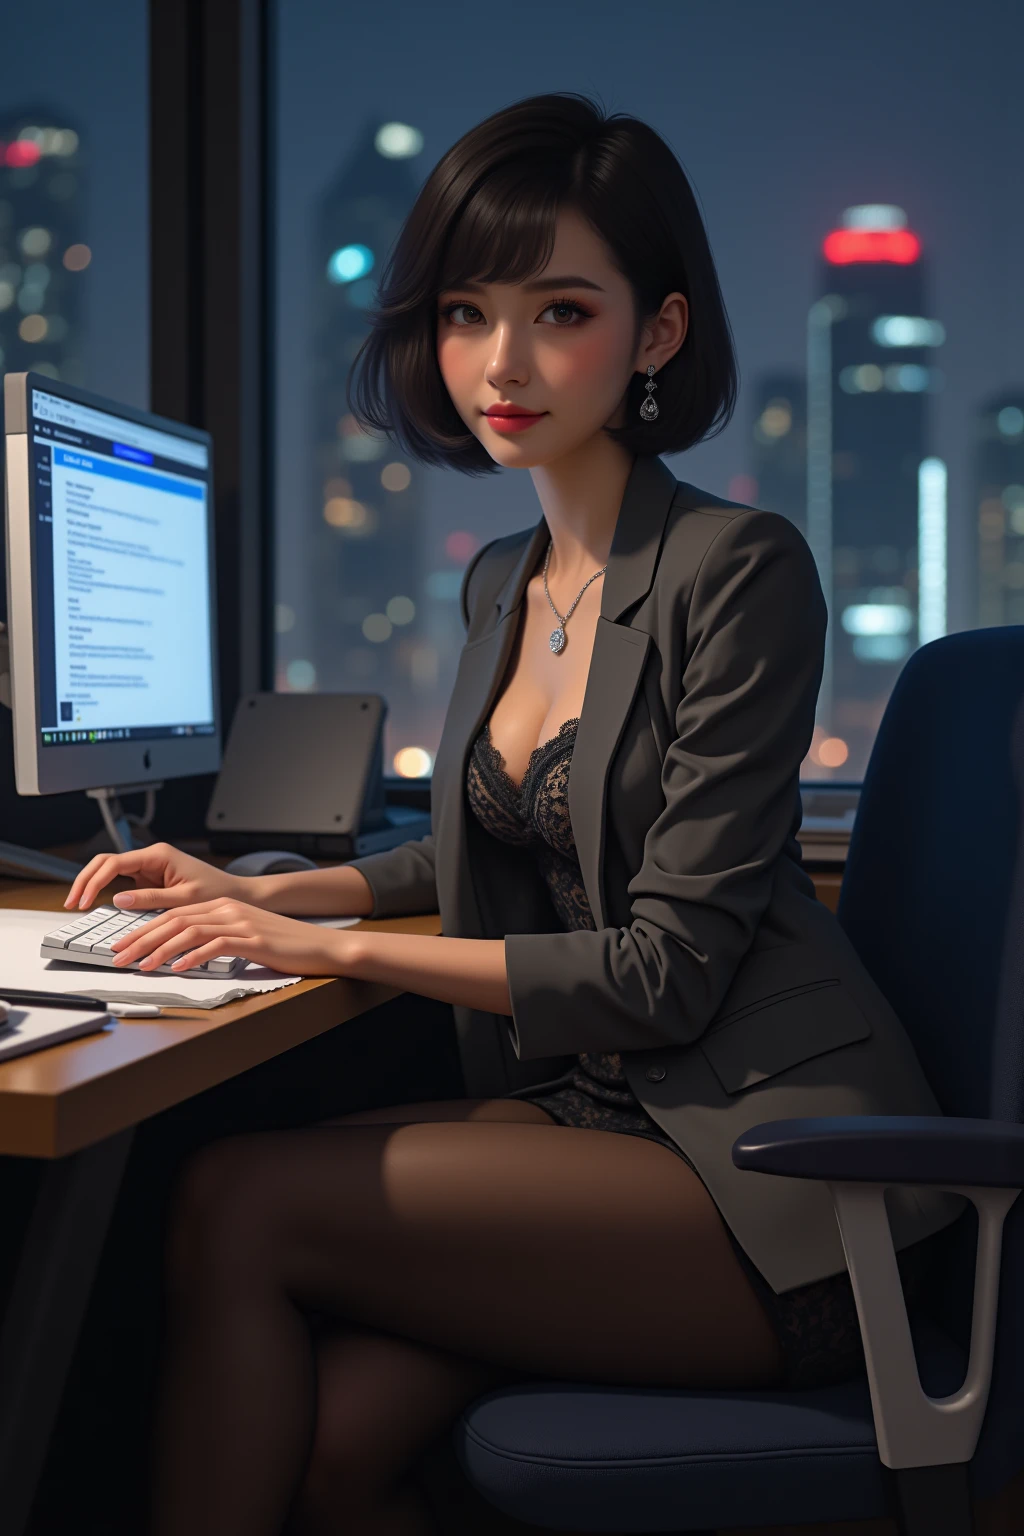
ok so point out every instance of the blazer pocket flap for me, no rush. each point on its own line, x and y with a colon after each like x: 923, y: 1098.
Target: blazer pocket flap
x: 772, y: 973
x: 782, y: 1034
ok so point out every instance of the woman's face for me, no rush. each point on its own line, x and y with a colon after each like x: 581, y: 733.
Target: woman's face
x: 560, y: 346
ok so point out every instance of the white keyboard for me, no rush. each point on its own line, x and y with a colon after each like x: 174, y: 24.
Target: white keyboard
x: 88, y: 940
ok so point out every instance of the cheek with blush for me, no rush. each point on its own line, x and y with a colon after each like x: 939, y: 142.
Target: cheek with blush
x: 459, y: 369
x: 591, y: 370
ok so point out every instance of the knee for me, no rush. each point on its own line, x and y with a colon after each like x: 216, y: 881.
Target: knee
x: 218, y: 1221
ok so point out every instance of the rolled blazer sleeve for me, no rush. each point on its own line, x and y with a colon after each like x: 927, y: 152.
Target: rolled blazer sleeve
x: 752, y: 666
x: 402, y: 879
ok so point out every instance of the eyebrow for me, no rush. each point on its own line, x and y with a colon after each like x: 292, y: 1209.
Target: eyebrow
x: 537, y: 285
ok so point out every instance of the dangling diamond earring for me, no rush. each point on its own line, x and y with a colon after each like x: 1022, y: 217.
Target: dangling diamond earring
x: 648, y: 409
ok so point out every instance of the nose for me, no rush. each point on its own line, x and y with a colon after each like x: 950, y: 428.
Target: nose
x: 507, y: 363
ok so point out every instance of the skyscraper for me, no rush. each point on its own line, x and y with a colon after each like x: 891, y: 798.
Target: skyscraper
x: 779, y: 446
x: 875, y: 500
x: 43, y: 257
x: 365, y: 499
x: 999, y: 483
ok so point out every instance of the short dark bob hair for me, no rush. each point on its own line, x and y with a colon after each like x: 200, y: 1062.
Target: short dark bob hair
x: 487, y: 213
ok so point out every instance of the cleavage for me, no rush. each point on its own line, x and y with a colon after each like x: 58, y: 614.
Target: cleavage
x: 565, y: 730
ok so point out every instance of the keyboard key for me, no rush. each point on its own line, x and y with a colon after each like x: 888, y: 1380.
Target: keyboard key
x: 222, y: 965
x: 106, y: 930
x: 62, y: 935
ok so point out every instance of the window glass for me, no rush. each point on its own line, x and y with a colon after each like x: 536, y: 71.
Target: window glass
x: 73, y: 195
x: 858, y: 177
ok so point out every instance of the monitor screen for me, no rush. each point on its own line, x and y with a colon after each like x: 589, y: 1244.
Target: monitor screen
x: 121, y: 577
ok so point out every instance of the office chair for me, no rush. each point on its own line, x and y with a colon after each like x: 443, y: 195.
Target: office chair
x: 933, y: 900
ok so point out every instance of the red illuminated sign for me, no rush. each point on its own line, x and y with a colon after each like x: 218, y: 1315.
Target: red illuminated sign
x: 844, y: 246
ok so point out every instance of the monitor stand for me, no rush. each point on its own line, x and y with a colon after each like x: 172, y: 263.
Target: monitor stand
x: 117, y: 822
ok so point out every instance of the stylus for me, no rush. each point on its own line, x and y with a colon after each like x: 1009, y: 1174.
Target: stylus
x: 78, y: 1000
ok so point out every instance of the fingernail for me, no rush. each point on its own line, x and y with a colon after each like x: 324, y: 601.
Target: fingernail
x: 124, y: 899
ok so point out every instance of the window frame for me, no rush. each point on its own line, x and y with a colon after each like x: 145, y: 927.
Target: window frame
x: 212, y: 119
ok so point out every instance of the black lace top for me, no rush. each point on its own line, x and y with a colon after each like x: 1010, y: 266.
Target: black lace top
x: 535, y: 812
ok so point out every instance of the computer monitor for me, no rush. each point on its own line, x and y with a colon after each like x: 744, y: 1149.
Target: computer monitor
x: 110, y: 591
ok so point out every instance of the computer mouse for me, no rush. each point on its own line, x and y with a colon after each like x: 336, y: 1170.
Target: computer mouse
x: 275, y: 861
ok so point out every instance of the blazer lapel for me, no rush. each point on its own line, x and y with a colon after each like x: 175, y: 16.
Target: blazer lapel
x: 620, y: 654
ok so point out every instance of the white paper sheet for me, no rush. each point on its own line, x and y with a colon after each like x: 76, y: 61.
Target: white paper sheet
x: 21, y: 965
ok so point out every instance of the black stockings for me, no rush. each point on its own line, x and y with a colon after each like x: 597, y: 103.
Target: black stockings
x: 339, y: 1294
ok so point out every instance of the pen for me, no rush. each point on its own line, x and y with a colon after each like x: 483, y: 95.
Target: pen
x: 77, y: 1000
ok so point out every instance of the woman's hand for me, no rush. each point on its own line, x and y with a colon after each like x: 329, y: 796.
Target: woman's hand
x: 165, y: 877
x: 203, y: 931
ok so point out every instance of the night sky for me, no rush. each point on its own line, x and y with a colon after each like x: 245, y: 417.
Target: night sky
x: 782, y: 115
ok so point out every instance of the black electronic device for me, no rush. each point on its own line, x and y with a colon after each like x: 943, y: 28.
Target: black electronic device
x: 304, y: 771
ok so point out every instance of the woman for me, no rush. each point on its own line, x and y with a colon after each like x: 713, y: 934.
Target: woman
x: 338, y: 1294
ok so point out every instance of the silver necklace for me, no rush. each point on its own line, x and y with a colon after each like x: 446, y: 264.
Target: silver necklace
x: 556, y: 639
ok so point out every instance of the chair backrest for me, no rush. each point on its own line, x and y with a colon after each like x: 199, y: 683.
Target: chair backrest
x: 926, y: 893
x: 933, y: 901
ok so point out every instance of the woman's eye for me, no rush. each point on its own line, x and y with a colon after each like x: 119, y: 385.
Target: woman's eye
x: 564, y: 314
x: 455, y: 309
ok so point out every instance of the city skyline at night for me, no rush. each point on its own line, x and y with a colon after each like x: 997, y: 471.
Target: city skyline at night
x: 780, y: 126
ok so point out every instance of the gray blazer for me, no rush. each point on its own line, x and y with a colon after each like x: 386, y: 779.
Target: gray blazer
x: 733, y: 994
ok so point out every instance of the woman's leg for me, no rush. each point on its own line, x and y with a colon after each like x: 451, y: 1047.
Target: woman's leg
x: 381, y: 1401
x: 518, y: 1244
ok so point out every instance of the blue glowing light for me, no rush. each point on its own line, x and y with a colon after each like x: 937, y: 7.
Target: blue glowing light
x: 350, y: 262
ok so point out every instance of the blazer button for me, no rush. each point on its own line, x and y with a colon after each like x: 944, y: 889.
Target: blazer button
x: 655, y: 1074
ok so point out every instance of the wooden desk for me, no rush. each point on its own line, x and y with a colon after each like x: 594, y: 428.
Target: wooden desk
x: 76, y: 1105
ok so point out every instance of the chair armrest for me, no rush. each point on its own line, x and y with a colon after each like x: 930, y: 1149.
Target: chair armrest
x: 858, y: 1156
x: 888, y: 1149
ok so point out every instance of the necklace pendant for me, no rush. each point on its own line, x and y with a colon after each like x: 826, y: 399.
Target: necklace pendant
x: 557, y: 640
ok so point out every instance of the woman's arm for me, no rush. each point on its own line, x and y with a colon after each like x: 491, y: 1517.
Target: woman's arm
x: 396, y: 883
x: 469, y: 973
x: 338, y: 892
x: 463, y: 971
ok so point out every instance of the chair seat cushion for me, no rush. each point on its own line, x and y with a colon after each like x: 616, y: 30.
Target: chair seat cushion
x: 649, y: 1459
